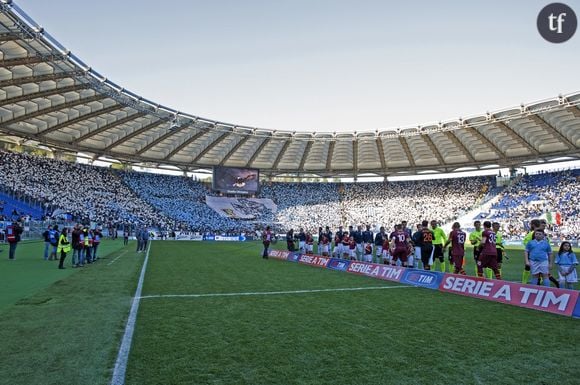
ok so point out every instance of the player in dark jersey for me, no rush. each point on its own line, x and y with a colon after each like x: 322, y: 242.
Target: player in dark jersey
x: 358, y: 239
x: 488, y: 252
x: 338, y: 242
x: 290, y: 240
x: 427, y: 237
x: 368, y: 237
x: 457, y: 238
x: 417, y: 240
x: 379, y: 239
x: 399, y: 245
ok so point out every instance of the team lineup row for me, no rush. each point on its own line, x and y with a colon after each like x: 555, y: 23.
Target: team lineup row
x: 427, y: 246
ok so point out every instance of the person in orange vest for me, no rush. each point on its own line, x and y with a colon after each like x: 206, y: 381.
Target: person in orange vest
x: 13, y: 233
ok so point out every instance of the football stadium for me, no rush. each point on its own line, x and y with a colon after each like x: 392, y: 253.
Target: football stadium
x: 140, y: 244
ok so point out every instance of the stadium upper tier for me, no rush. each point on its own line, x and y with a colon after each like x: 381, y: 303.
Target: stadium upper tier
x: 49, y: 96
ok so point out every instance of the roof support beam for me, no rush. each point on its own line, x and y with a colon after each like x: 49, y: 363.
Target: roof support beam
x: 258, y: 151
x: 108, y: 126
x: 355, y: 157
x: 542, y: 122
x: 9, y: 37
x: 215, y: 142
x: 281, y: 154
x: 518, y: 137
x: 381, y: 152
x: 405, y: 146
x: 305, y: 154
x: 451, y: 136
x: 81, y: 118
x: 39, y: 78
x: 30, y: 60
x: 192, y: 139
x: 331, y: 145
x: 58, y: 107
x: 43, y: 94
x: 235, y: 148
x: 434, y: 149
x: 134, y: 134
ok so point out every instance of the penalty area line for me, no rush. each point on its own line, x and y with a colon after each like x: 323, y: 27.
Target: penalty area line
x: 256, y: 293
x: 123, y: 355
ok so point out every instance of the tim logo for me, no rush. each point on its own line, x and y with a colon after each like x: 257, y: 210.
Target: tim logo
x: 422, y: 278
x: 338, y: 264
x: 557, y: 23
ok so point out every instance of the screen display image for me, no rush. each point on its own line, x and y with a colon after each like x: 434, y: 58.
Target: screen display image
x: 236, y: 180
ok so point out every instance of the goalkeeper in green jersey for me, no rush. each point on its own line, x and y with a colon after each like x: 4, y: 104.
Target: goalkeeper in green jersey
x: 475, y: 240
x: 438, y: 241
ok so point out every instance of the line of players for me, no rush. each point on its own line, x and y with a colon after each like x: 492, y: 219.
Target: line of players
x: 427, y: 245
x: 401, y: 247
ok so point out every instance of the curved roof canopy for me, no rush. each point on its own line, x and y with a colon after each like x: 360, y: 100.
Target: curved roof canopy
x: 49, y: 96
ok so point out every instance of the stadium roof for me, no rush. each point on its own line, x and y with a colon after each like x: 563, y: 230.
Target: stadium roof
x: 49, y: 96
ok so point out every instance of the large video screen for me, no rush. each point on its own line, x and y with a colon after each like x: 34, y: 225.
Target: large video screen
x: 232, y: 180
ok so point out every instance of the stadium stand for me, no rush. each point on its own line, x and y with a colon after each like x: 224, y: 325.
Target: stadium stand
x: 87, y: 193
x: 553, y: 196
x: 107, y: 196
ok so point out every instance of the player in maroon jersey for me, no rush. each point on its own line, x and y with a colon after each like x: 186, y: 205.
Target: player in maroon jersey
x: 352, y: 248
x: 399, y: 245
x: 309, y: 243
x: 457, y: 239
x: 385, y: 257
x: 325, y: 244
x: 488, y: 253
x: 345, y: 245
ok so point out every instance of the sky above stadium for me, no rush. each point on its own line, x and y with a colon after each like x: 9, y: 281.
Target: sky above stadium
x: 324, y: 65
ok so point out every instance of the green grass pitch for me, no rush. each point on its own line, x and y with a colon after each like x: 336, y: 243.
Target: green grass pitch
x: 65, y: 327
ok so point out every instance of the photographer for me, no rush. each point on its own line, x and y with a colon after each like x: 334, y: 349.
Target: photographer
x: 13, y: 233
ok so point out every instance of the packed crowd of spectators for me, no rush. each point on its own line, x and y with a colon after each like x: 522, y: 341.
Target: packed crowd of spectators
x: 117, y: 199
x: 389, y: 203
x: 87, y: 193
x: 534, y: 196
x: 304, y: 204
x: 183, y: 200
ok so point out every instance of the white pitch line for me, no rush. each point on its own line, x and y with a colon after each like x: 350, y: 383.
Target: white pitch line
x: 123, y: 355
x: 114, y: 260
x: 273, y: 292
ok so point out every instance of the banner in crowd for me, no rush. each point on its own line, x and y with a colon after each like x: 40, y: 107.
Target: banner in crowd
x: 547, y: 299
x: 241, y: 208
x: 233, y: 238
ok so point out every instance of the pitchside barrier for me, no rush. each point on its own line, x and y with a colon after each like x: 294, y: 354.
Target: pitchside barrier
x: 558, y: 301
